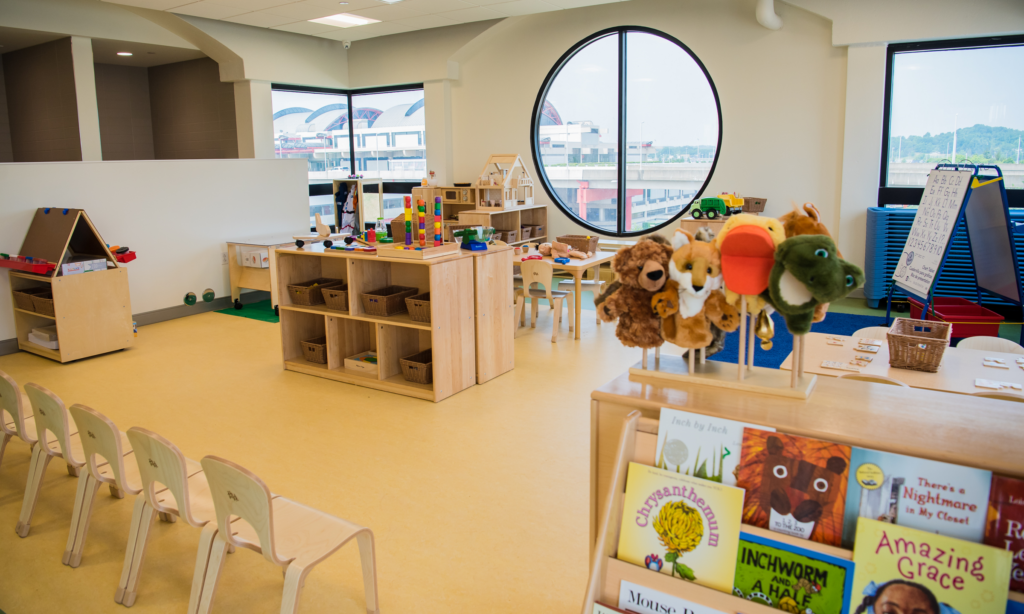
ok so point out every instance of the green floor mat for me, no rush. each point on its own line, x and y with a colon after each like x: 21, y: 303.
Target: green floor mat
x: 261, y: 310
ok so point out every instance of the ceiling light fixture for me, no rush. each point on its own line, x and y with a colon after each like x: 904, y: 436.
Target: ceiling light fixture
x: 343, y: 3
x: 345, y: 20
x: 390, y: 1
x: 124, y: 53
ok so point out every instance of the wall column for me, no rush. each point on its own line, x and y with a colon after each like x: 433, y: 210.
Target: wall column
x: 437, y: 98
x: 85, y: 95
x: 254, y: 119
x: 862, y: 146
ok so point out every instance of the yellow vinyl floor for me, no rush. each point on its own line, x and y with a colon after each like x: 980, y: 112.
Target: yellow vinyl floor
x: 478, y: 503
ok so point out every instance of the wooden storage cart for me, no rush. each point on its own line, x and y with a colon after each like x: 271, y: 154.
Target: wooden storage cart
x: 624, y: 425
x: 510, y: 220
x: 92, y: 311
x: 368, y: 205
x: 453, y: 333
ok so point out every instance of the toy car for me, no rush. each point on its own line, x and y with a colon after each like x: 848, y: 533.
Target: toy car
x: 714, y: 207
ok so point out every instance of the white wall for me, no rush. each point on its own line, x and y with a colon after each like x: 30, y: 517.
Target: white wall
x: 176, y: 214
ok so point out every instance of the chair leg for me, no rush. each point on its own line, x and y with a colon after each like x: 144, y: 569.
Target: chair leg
x: 218, y: 550
x: 556, y: 320
x: 76, y: 514
x: 74, y: 471
x: 36, y: 472
x: 133, y: 563
x: 85, y: 517
x: 294, y: 578
x: 129, y: 555
x: 207, y: 542
x: 534, y: 303
x: 116, y: 492
x: 167, y: 517
x: 520, y: 301
x: 3, y: 444
x: 368, y: 558
x: 572, y: 311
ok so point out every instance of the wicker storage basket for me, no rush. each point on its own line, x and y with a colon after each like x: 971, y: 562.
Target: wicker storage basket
x: 511, y: 236
x: 311, y: 292
x: 918, y: 344
x: 524, y: 233
x: 387, y: 301
x: 43, y: 303
x: 23, y: 298
x: 536, y: 230
x: 418, y: 368
x: 419, y: 307
x: 752, y: 204
x: 315, y: 350
x: 337, y: 297
x: 580, y: 243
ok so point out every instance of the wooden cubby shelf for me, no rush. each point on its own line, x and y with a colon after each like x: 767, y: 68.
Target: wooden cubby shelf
x: 452, y: 334
x: 510, y: 219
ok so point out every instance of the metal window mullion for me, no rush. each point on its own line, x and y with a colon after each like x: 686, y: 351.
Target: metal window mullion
x: 620, y: 205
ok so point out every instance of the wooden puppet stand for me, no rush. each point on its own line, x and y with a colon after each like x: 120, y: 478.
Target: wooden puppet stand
x: 720, y: 374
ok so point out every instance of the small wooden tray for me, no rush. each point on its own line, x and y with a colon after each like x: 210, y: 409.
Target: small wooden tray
x: 398, y: 251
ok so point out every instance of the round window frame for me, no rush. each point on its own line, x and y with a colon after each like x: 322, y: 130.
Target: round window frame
x: 538, y: 108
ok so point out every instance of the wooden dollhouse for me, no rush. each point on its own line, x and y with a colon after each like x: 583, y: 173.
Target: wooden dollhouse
x: 505, y: 183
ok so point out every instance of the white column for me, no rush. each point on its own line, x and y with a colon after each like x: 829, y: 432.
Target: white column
x: 254, y: 119
x: 437, y: 100
x: 862, y: 146
x: 85, y: 94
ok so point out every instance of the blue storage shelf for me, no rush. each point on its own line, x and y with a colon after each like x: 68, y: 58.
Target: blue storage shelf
x: 887, y: 232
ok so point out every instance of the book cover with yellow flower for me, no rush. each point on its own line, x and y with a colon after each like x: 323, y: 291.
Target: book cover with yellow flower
x: 899, y: 569
x: 681, y: 526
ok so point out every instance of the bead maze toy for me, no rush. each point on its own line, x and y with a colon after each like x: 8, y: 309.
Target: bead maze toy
x: 420, y: 249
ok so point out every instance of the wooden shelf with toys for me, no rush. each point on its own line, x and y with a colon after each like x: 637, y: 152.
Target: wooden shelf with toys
x: 80, y: 305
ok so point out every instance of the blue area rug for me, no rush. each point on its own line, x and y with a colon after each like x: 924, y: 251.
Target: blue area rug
x: 782, y: 344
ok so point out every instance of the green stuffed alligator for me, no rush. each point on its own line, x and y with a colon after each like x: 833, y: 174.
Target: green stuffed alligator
x: 808, y: 272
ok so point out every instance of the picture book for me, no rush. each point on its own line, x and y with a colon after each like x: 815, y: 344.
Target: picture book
x: 795, y: 485
x: 702, y: 446
x: 682, y: 526
x: 600, y: 608
x: 917, y: 493
x: 1006, y: 524
x: 642, y: 600
x: 899, y: 569
x: 790, y: 578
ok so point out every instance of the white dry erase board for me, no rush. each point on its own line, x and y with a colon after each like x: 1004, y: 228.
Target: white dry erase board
x: 929, y: 237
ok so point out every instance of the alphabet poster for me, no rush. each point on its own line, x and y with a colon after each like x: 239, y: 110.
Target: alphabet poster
x: 929, y: 236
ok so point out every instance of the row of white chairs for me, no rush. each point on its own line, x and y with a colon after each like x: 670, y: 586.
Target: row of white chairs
x: 210, y: 495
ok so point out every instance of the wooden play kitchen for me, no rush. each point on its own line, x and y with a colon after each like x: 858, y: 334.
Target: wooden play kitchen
x: 624, y: 425
x: 78, y: 314
x: 368, y: 319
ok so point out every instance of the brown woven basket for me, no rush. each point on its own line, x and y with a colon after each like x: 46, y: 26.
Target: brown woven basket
x: 315, y: 350
x: 337, y: 297
x: 510, y: 236
x: 387, y: 301
x: 418, y: 368
x: 43, y: 303
x: 524, y: 233
x: 580, y: 243
x: 536, y: 231
x: 419, y: 307
x: 23, y: 298
x: 752, y: 204
x: 918, y: 344
x: 311, y: 292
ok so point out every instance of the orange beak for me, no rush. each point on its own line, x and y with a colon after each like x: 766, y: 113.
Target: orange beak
x: 748, y: 255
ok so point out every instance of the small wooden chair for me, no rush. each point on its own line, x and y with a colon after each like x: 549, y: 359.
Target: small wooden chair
x: 541, y: 272
x: 186, y: 494
x: 286, y: 533
x: 13, y: 421
x: 990, y: 344
x: 51, y: 419
x: 594, y: 284
x: 105, y: 449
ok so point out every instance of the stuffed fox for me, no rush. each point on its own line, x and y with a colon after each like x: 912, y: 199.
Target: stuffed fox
x: 692, y: 299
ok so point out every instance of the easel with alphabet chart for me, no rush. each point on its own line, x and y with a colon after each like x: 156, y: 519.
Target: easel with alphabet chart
x: 956, y: 192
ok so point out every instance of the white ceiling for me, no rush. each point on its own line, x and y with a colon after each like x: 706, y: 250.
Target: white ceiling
x: 403, y: 16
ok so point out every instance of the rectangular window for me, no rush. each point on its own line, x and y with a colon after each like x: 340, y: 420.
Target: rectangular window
x: 952, y: 101
x: 379, y: 134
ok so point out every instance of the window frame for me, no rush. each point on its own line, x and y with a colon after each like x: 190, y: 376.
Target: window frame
x: 908, y: 195
x: 389, y: 187
x: 538, y: 107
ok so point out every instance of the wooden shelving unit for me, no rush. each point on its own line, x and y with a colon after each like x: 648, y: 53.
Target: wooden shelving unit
x: 368, y: 204
x: 92, y: 311
x: 452, y: 333
x: 510, y: 219
x: 624, y: 425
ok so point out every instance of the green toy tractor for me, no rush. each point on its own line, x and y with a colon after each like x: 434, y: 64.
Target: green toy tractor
x: 713, y: 208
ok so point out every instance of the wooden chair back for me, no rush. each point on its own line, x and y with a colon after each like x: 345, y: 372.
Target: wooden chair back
x: 51, y: 415
x: 238, y: 492
x: 10, y: 402
x: 990, y: 344
x: 101, y: 439
x: 161, y: 462
x: 537, y: 272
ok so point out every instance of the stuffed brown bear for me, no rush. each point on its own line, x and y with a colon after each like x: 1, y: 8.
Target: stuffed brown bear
x: 642, y: 270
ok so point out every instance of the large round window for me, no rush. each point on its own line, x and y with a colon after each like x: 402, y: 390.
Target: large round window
x: 626, y: 130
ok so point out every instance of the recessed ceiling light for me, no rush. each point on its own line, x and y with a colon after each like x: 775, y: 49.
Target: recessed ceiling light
x: 390, y: 1
x: 124, y: 53
x: 345, y: 20
x: 343, y: 3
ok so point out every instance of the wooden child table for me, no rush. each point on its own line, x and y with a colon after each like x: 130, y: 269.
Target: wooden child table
x: 250, y: 277
x: 577, y: 268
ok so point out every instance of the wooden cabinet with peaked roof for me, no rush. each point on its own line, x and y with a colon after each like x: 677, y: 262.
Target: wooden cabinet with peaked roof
x: 505, y: 182
x: 92, y: 310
